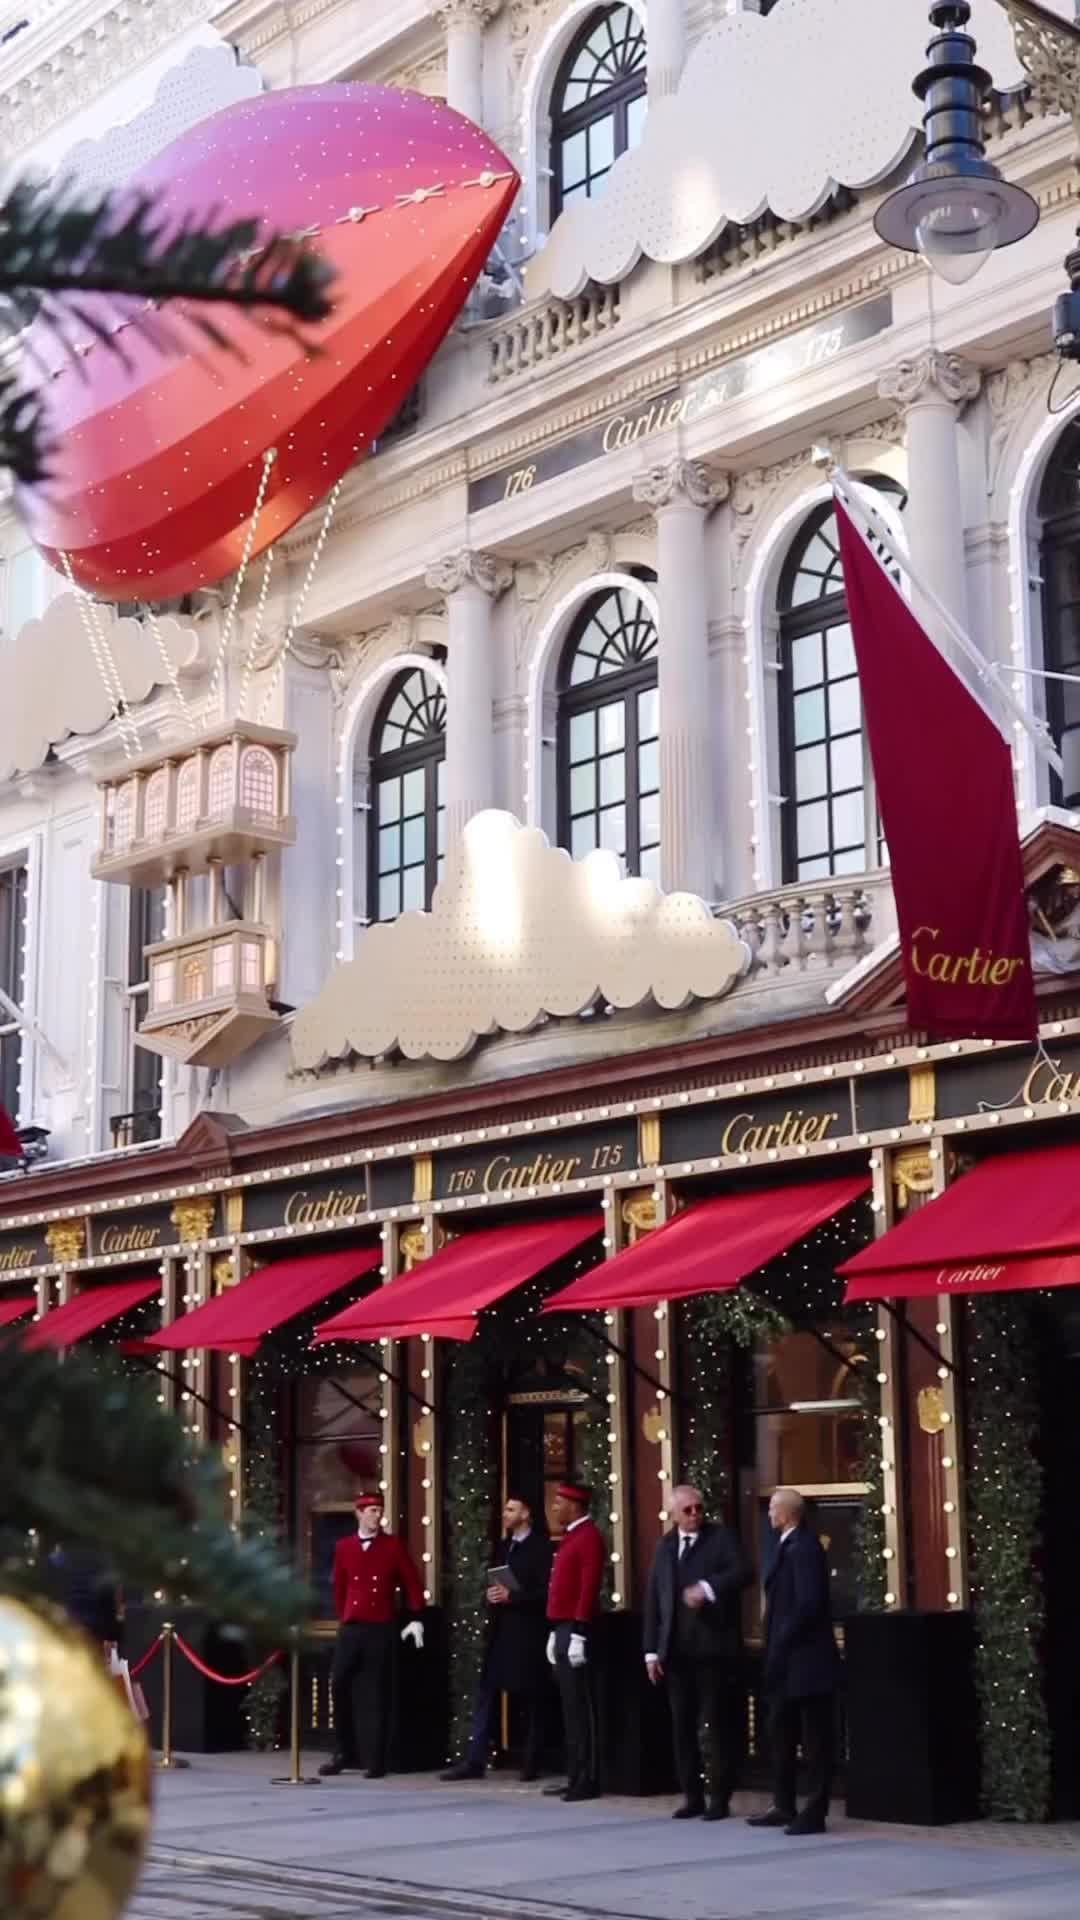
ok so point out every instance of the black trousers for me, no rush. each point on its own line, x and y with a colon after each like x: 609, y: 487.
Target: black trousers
x: 705, y: 1691
x: 578, y: 1700
x: 484, y: 1729
x: 808, y: 1722
x: 360, y: 1689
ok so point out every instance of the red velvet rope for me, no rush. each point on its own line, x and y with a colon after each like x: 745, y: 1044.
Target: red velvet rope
x: 134, y: 1672
x: 223, y: 1679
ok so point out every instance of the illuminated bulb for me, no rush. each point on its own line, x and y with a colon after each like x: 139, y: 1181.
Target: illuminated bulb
x: 950, y: 1553
x: 946, y: 1460
x: 890, y: 1599
x: 886, y: 1553
x: 952, y: 1598
x: 950, y: 1506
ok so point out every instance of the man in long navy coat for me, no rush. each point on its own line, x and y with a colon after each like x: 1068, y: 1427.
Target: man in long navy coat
x: 515, y: 1639
x: 801, y: 1668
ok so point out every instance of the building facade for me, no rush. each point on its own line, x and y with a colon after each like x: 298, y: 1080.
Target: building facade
x: 585, y: 595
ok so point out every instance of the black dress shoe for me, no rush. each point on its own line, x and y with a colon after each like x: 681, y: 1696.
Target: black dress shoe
x: 690, y: 1810
x: 529, y: 1774
x: 803, y: 1823
x: 336, y: 1765
x: 717, y: 1810
x: 557, y: 1790
x: 582, y: 1793
x: 375, y: 1773
x: 464, y: 1770
x: 772, y: 1817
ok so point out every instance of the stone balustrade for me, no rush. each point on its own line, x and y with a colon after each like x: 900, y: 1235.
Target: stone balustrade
x: 825, y: 925
x: 541, y: 332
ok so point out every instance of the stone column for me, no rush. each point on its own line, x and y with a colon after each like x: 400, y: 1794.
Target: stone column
x: 933, y: 388
x: 464, y: 22
x: 681, y: 493
x: 667, y: 48
x: 470, y: 583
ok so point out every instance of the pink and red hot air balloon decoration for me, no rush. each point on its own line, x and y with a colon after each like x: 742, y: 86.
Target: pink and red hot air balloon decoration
x: 158, y: 463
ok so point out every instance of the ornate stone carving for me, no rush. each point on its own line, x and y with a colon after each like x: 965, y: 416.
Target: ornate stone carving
x: 749, y: 493
x: 66, y: 1240
x: 672, y: 480
x: 451, y: 13
x: 194, y: 1219
x: 1009, y: 392
x: 944, y: 375
x: 1049, y: 52
x: 912, y: 1173
x: 71, y: 77
x: 468, y: 568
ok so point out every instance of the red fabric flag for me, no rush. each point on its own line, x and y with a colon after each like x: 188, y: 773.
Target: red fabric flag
x: 945, y: 788
x: 11, y: 1147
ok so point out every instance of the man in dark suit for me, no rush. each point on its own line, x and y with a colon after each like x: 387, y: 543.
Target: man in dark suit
x: 692, y: 1643
x: 514, y: 1661
x: 801, y: 1668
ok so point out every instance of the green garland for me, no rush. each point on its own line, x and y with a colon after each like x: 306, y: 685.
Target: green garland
x: 596, y: 1458
x: 712, y: 1328
x: 1004, y: 1495
x: 262, y: 1702
x: 870, y: 1562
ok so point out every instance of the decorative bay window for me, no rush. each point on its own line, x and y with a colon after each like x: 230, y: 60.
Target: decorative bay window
x: 406, y: 835
x: 598, y: 104
x: 609, y: 733
x: 830, y: 819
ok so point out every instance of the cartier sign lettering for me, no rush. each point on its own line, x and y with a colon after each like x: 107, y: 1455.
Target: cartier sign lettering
x: 15, y: 1255
x: 631, y: 424
x: 134, y: 1239
x: 317, y: 1204
x: 301, y: 1210
x: 757, y: 1124
x: 744, y: 1134
x: 520, y: 1165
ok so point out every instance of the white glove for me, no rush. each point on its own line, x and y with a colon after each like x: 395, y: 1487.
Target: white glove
x: 575, y: 1652
x: 414, y: 1632
x: 550, y: 1649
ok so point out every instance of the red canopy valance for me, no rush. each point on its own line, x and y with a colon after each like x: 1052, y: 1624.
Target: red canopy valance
x: 709, y: 1247
x: 89, y: 1310
x: 14, y: 1305
x: 1013, y: 1222
x: 445, y: 1295
x: 239, y: 1318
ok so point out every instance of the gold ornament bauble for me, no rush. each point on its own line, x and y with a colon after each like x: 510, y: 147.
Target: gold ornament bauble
x: 74, y: 1775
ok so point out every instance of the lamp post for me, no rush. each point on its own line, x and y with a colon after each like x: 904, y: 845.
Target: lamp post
x: 956, y: 209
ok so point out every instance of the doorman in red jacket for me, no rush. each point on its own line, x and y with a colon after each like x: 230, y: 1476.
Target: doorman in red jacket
x: 573, y: 1602
x: 370, y: 1567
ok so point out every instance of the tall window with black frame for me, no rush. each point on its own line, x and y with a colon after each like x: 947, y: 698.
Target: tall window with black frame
x: 142, y: 1121
x: 1059, y: 507
x: 13, y: 895
x: 829, y: 822
x: 609, y: 733
x: 598, y: 104
x: 406, y: 833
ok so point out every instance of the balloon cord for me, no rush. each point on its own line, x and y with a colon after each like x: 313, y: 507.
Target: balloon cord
x: 105, y: 663
x: 305, y: 589
x: 269, y: 458
x: 256, y: 632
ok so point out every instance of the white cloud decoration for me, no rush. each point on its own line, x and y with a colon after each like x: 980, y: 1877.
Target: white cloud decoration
x: 54, y: 687
x: 766, y: 116
x: 517, y: 930
x: 206, y: 81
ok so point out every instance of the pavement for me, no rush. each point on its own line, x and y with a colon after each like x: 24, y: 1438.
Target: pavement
x: 227, y: 1842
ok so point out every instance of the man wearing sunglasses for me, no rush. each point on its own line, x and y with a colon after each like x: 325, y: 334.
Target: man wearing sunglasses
x: 692, y: 1646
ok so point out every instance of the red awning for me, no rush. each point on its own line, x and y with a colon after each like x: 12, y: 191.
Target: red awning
x: 14, y: 1306
x: 87, y: 1311
x: 446, y: 1294
x: 710, y: 1247
x: 240, y: 1317
x: 1013, y: 1222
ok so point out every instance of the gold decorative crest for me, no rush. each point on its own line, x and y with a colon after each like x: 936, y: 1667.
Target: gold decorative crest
x: 933, y: 1417
x: 194, y: 1219
x: 652, y: 1425
x: 639, y: 1212
x: 66, y: 1240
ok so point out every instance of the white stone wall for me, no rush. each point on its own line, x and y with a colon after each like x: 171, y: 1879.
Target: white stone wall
x: 950, y: 401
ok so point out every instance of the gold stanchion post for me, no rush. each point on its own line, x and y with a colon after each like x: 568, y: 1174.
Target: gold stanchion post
x: 168, y: 1761
x: 294, y: 1777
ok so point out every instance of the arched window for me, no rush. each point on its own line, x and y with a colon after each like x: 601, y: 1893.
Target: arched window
x: 187, y: 795
x: 609, y: 733
x: 219, y: 785
x: 405, y: 846
x: 124, y: 815
x: 1059, y: 506
x: 598, y: 104
x: 830, y: 823
x: 155, y: 801
x: 257, y: 781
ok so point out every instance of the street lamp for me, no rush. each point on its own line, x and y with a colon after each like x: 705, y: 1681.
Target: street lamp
x: 956, y: 209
